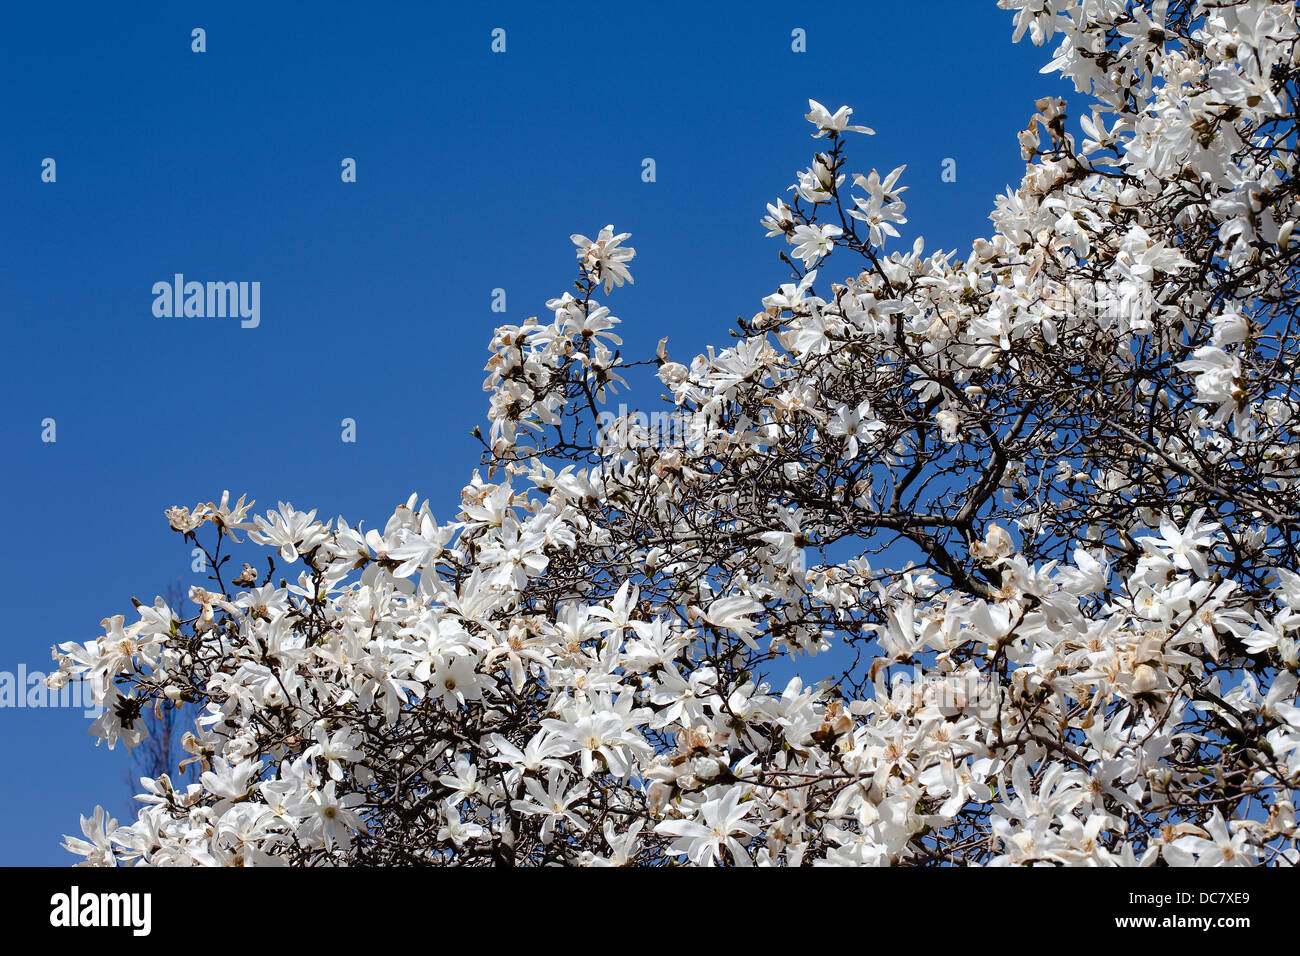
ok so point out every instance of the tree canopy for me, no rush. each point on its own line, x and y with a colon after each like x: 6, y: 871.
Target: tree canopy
x: 1022, y: 523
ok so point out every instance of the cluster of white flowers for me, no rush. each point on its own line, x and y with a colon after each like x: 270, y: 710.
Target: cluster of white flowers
x: 1042, y: 550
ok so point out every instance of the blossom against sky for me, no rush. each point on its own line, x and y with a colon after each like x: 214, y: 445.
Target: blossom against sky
x: 473, y: 169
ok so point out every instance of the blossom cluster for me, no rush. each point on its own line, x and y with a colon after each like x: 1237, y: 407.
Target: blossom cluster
x: 1079, y: 526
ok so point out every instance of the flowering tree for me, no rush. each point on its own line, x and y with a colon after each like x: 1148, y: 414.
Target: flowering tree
x: 1033, y: 513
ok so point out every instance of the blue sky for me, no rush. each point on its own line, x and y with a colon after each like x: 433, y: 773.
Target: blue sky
x: 473, y: 170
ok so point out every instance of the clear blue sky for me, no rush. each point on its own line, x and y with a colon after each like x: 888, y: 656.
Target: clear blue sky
x: 473, y: 170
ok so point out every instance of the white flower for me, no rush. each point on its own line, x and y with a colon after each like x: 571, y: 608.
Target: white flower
x: 1220, y: 849
x: 821, y: 117
x: 456, y: 830
x: 814, y: 242
x: 603, y: 259
x: 949, y: 425
x: 333, y: 817
x: 97, y: 848
x: 703, y: 840
x: 554, y: 803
